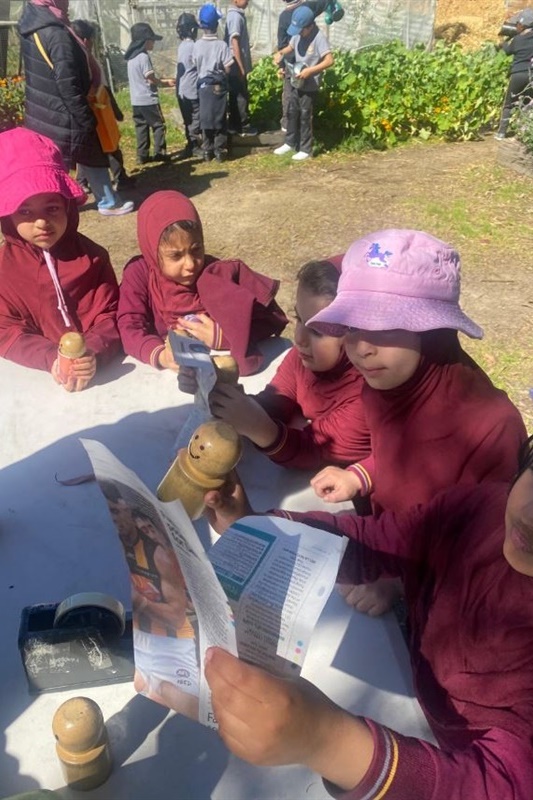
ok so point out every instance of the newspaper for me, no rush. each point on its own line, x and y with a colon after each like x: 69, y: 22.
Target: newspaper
x: 258, y: 592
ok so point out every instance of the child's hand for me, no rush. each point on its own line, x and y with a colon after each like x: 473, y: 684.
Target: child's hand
x: 166, y: 360
x: 306, y: 72
x: 334, y: 484
x: 226, y: 505
x: 230, y: 404
x: 271, y: 721
x: 277, y: 57
x: 82, y: 371
x: 187, y: 381
x: 202, y: 328
x: 170, y: 82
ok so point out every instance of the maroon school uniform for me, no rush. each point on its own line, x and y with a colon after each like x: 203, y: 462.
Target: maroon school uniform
x: 447, y: 425
x: 240, y: 301
x: 31, y: 323
x: 471, y: 646
x: 336, y: 433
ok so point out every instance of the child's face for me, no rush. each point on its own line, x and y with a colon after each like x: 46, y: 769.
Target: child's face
x: 318, y: 353
x: 41, y: 220
x: 386, y: 359
x: 518, y: 544
x: 181, y: 258
x: 149, y: 44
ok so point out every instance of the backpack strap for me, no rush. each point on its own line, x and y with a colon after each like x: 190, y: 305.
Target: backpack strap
x: 41, y: 50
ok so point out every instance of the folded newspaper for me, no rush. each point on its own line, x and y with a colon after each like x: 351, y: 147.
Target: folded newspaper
x: 258, y: 592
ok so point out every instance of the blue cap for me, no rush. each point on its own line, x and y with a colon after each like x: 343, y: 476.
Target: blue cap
x: 209, y: 16
x: 301, y: 18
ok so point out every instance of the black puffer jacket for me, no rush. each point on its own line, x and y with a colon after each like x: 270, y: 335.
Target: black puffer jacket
x: 56, y: 99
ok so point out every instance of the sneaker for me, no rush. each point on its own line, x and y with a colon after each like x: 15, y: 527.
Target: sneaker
x: 144, y: 160
x: 283, y: 130
x: 282, y: 150
x: 219, y: 157
x: 248, y: 130
x: 499, y: 137
x: 161, y: 157
x: 301, y: 156
x: 208, y: 155
x: 117, y: 211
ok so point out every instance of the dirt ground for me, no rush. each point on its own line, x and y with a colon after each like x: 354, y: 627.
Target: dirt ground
x: 277, y: 220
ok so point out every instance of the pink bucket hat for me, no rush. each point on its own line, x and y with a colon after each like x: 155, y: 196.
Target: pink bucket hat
x: 397, y: 279
x: 32, y: 164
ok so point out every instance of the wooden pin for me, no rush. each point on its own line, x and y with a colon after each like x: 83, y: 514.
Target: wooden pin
x: 213, y: 451
x: 81, y: 743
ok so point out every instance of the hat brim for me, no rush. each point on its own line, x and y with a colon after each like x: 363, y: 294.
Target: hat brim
x: 294, y: 30
x: 379, y: 311
x: 25, y: 183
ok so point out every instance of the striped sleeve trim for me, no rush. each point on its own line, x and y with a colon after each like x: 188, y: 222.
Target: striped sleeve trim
x: 364, y: 477
x: 389, y: 747
x: 154, y: 356
x: 280, y: 441
x: 217, y: 337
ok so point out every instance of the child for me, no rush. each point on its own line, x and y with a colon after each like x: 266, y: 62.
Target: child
x: 284, y: 21
x: 236, y: 36
x: 144, y: 84
x: 234, y: 306
x: 52, y: 279
x: 213, y: 60
x: 312, y: 55
x: 471, y: 648
x: 435, y: 418
x: 315, y: 381
x: 187, y: 83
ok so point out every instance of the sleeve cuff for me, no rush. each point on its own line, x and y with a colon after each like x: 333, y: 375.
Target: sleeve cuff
x: 364, y: 477
x: 278, y: 443
x: 154, y: 356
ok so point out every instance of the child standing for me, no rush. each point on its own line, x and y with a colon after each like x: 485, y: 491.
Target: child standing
x: 187, y: 82
x: 312, y: 55
x: 315, y: 382
x: 236, y: 36
x: 435, y: 418
x: 52, y: 279
x: 173, y: 277
x: 213, y: 59
x: 284, y: 21
x: 144, y: 83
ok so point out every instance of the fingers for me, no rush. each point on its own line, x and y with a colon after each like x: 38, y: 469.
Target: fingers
x: 187, y: 381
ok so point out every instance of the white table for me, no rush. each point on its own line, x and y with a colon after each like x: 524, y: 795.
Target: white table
x: 57, y: 540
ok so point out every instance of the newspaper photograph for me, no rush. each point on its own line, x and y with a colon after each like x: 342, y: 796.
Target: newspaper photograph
x: 257, y: 593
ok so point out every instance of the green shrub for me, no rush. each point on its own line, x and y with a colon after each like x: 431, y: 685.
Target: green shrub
x: 11, y: 102
x: 387, y: 94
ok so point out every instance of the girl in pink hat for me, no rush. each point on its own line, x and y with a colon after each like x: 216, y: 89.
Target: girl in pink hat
x: 435, y: 418
x: 53, y: 280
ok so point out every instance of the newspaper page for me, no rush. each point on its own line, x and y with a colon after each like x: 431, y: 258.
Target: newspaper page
x: 277, y: 575
x: 179, y: 607
x: 258, y: 592
x: 190, y: 352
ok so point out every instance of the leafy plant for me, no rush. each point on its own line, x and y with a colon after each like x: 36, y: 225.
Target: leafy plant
x: 523, y: 124
x: 386, y: 94
x: 11, y: 102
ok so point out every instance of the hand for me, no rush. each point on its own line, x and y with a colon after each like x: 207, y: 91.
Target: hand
x: 166, y: 360
x: 169, y: 82
x: 334, y: 484
x: 277, y: 57
x: 203, y: 328
x: 226, y: 505
x: 187, y: 381
x: 230, y: 404
x: 82, y: 371
x: 305, y: 73
x: 270, y: 721
x: 373, y: 599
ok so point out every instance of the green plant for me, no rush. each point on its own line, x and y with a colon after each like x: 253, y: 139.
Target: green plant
x: 523, y: 124
x: 11, y: 102
x: 385, y: 94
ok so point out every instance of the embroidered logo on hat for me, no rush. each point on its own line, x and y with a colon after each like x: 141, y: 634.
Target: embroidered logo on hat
x: 374, y: 258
